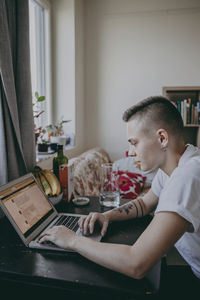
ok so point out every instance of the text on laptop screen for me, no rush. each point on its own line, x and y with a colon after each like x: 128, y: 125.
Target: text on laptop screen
x: 26, y: 204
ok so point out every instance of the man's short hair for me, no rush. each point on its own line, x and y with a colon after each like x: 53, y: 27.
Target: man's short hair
x: 156, y: 111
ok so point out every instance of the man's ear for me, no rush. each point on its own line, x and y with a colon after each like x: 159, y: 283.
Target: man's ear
x: 163, y: 138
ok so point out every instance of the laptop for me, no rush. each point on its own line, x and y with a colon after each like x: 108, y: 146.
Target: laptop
x: 31, y: 213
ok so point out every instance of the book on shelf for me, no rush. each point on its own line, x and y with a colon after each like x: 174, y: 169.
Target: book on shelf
x: 190, y: 111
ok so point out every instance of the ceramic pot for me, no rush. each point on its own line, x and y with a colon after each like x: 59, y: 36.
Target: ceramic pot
x: 60, y: 139
x: 42, y: 147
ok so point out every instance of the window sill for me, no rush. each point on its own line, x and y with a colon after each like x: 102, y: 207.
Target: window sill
x: 45, y: 160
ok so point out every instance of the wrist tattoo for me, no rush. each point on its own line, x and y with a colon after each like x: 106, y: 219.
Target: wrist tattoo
x: 133, y: 204
x: 127, y: 207
x: 140, y: 206
x: 136, y: 209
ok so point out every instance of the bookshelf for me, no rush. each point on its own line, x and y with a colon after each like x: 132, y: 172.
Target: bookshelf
x: 187, y: 100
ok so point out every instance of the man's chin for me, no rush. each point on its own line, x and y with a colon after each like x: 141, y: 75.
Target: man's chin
x: 144, y: 168
x: 148, y: 169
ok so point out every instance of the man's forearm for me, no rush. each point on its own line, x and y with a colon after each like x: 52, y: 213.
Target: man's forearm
x: 133, y: 209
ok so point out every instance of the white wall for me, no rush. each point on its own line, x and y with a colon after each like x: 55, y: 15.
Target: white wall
x: 133, y: 49
x: 109, y: 54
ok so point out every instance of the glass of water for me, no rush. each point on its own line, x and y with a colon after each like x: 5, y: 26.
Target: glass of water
x: 109, y: 191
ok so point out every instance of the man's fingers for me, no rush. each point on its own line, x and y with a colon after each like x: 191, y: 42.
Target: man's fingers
x: 86, y: 224
x: 92, y: 222
x: 104, y: 228
x: 46, y: 233
x: 81, y: 222
x: 49, y: 234
x: 43, y: 239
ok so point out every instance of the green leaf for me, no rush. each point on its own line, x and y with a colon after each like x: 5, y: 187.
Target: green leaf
x: 41, y: 98
x: 36, y: 95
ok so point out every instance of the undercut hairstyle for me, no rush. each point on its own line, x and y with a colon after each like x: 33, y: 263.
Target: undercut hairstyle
x: 157, y: 112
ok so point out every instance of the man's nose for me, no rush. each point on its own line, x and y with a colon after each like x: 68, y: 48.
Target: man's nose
x: 131, y: 152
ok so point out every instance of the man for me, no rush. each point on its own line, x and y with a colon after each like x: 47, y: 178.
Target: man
x: 155, y: 134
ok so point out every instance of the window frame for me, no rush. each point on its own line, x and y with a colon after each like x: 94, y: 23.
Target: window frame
x: 45, y: 80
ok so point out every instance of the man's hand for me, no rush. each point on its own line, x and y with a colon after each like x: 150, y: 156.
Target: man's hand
x: 59, y: 235
x: 87, y: 224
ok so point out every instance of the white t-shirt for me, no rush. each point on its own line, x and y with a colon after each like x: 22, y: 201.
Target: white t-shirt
x: 180, y: 193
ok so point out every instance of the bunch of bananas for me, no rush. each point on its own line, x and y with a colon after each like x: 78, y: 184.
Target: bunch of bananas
x: 48, y: 181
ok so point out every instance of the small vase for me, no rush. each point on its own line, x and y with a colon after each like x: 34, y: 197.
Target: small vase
x: 42, y: 147
x: 54, y: 139
x: 60, y: 139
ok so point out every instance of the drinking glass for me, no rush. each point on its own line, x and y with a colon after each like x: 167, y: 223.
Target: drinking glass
x: 109, y: 191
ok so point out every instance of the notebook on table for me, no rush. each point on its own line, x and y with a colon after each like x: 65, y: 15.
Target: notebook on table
x: 31, y: 213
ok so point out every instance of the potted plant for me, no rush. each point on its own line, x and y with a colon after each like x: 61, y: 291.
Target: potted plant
x: 43, y: 142
x: 43, y: 146
x: 36, y: 114
x: 40, y: 132
x: 56, y: 133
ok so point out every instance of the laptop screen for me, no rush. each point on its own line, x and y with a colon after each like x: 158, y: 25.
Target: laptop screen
x: 26, y: 204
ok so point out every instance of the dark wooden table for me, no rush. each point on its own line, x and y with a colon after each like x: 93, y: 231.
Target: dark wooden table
x: 68, y: 274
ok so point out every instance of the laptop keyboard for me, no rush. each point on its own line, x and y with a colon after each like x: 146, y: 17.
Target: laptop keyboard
x: 70, y: 222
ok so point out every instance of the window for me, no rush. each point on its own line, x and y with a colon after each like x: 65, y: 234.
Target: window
x: 39, y: 19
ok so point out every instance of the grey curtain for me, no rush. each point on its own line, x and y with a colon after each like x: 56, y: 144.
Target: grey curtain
x: 17, y: 148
